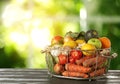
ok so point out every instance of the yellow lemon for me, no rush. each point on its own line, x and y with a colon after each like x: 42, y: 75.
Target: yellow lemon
x: 80, y: 41
x: 88, y: 49
x: 70, y: 43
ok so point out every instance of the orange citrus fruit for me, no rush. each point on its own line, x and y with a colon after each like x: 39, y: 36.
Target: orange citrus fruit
x: 106, y: 43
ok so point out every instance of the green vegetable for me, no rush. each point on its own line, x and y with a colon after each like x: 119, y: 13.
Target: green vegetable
x: 50, y: 62
x: 104, y: 64
x: 56, y: 59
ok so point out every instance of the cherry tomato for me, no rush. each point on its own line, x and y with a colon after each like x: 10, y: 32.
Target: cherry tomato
x: 62, y: 59
x: 76, y: 54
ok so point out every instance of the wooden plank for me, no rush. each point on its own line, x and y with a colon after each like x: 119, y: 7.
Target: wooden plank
x: 41, y: 77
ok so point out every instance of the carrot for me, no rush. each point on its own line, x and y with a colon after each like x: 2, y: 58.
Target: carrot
x: 77, y: 68
x: 97, y: 72
x: 74, y: 74
x: 99, y: 65
x: 93, y: 61
x: 80, y: 61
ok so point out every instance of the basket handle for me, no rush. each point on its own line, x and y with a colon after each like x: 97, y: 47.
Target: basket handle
x: 114, y: 55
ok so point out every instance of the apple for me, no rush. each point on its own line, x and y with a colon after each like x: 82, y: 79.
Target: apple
x: 57, y: 40
x: 96, y: 42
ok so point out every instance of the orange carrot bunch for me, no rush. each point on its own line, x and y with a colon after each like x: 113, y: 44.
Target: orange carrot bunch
x: 74, y: 74
x: 85, y: 67
x: 77, y: 68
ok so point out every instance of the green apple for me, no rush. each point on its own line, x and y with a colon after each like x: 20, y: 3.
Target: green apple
x: 96, y: 42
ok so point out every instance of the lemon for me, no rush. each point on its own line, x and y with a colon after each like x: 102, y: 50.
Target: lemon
x: 70, y: 43
x: 80, y: 41
x: 88, y: 49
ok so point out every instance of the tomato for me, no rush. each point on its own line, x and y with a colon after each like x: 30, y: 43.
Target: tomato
x: 62, y: 59
x: 76, y: 54
x: 71, y: 60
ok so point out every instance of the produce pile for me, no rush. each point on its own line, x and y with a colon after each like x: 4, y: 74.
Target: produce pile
x: 78, y: 54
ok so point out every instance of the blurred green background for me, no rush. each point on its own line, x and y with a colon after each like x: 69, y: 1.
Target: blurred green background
x: 27, y: 26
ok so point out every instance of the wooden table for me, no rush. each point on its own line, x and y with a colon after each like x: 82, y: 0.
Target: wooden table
x: 40, y: 76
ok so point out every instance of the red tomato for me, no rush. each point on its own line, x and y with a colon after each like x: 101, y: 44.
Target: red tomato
x: 71, y: 60
x: 62, y: 59
x: 76, y: 54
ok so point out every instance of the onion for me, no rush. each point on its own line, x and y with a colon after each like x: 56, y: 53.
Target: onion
x: 58, y: 68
